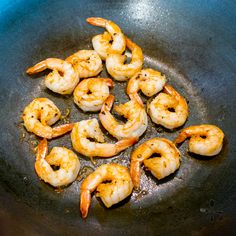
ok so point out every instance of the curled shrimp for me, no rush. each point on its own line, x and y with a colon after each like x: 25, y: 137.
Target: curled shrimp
x: 132, y: 111
x: 120, y: 71
x: 91, y: 93
x: 160, y: 167
x: 65, y: 159
x: 149, y: 81
x: 206, y: 140
x: 39, y: 115
x: 63, y: 77
x: 117, y: 189
x: 86, y: 62
x: 86, y: 130
x: 112, y: 41
x: 168, y: 109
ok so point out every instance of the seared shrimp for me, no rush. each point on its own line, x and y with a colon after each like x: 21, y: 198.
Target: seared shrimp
x: 65, y: 159
x: 86, y: 62
x: 118, y: 188
x: 112, y: 41
x: 149, y: 81
x: 168, y: 109
x: 85, y: 130
x: 63, y: 77
x: 120, y: 71
x: 132, y: 111
x: 206, y: 140
x: 39, y: 115
x: 91, y: 93
x: 160, y: 167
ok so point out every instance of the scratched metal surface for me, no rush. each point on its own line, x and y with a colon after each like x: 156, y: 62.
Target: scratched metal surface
x: 193, y: 44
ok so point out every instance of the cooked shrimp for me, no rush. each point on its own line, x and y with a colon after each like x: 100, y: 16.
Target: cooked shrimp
x: 149, y: 81
x: 86, y: 62
x: 160, y: 167
x: 63, y: 77
x: 120, y: 71
x: 112, y: 41
x: 168, y: 109
x: 132, y: 111
x: 118, y: 188
x: 91, y: 93
x: 65, y: 159
x: 39, y: 115
x: 86, y: 130
x: 206, y: 140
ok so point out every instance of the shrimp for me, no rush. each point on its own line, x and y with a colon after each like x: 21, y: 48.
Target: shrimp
x: 206, y: 140
x: 86, y: 62
x: 160, y: 167
x: 132, y: 111
x: 65, y: 159
x: 120, y: 71
x: 149, y: 81
x: 118, y: 188
x: 63, y: 78
x: 39, y: 115
x: 91, y: 93
x: 112, y: 41
x: 168, y: 109
x: 86, y: 130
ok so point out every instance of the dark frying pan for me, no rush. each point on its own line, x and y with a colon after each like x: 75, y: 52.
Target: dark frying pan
x: 193, y: 43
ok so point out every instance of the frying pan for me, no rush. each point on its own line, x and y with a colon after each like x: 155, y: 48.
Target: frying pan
x: 193, y: 43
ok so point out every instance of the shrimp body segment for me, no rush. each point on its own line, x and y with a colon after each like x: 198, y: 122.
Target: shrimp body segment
x: 63, y: 77
x: 87, y: 63
x: 120, y: 71
x: 160, y: 167
x: 112, y: 41
x: 118, y: 188
x: 132, y: 111
x: 206, y: 140
x: 169, y: 108
x: 67, y: 161
x: 90, y: 94
x: 86, y: 129
x: 39, y: 115
x: 149, y: 81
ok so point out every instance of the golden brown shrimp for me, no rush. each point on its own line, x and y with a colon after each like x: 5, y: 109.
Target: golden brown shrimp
x: 149, y: 81
x: 118, y: 188
x: 65, y: 159
x: 120, y: 71
x: 168, y: 109
x: 90, y: 94
x: 86, y: 62
x: 39, y: 115
x: 132, y: 111
x: 86, y: 129
x: 63, y: 78
x: 112, y: 41
x: 160, y: 167
x: 206, y: 140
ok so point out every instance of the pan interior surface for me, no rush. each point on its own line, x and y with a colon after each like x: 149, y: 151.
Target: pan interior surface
x: 193, y: 44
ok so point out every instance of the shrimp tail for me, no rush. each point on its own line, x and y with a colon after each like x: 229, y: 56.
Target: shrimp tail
x: 109, y: 82
x: 85, y: 200
x: 41, y: 66
x: 62, y: 129
x: 42, y: 149
x: 181, y: 137
x: 135, y: 172
x: 136, y: 97
x: 125, y: 143
x: 97, y: 21
x: 107, y: 105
